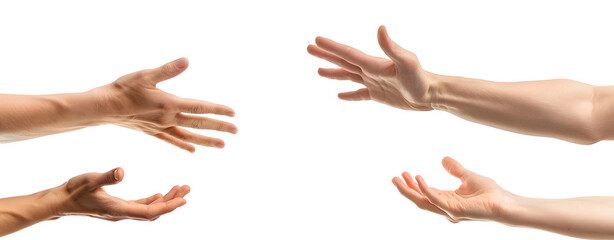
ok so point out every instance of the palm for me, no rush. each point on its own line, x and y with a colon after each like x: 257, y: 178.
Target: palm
x: 400, y: 82
x: 87, y: 197
x: 478, y: 197
x: 474, y: 199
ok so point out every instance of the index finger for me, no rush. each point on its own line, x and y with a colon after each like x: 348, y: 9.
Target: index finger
x: 420, y: 201
x: 200, y: 107
x: 346, y: 52
x: 149, y: 212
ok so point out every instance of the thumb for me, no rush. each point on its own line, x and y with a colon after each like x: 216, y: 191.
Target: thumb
x: 393, y: 50
x: 454, y: 168
x: 98, y: 180
x: 168, y: 70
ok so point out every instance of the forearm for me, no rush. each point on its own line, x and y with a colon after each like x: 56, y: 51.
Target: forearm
x: 585, y: 217
x: 559, y: 108
x: 20, y: 212
x: 24, y: 117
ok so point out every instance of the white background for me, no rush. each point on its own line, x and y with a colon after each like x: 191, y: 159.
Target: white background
x: 304, y: 164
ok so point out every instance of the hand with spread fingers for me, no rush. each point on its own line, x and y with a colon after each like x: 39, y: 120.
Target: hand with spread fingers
x: 84, y: 195
x: 480, y: 198
x: 557, y: 108
x: 400, y: 82
x: 132, y: 101
x: 477, y: 198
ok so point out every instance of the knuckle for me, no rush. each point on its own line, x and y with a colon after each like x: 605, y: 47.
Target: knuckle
x: 110, y: 177
x: 165, y: 121
x: 346, y: 49
x: 168, y: 69
x: 88, y: 181
x: 199, y: 108
x: 142, y: 74
x: 197, y: 124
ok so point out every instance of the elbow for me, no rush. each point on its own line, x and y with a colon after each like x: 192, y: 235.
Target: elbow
x: 589, y: 139
x: 590, y: 134
x: 592, y: 131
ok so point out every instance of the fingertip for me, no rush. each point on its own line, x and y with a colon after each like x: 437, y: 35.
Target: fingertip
x: 118, y: 174
x: 220, y: 145
x: 187, y: 188
x: 176, y: 202
x: 189, y: 147
x: 445, y: 160
x: 226, y: 111
x: 406, y: 175
x: 311, y: 48
x: 395, y: 180
x: 382, y: 29
x: 181, y: 63
x: 320, y: 71
x: 420, y: 180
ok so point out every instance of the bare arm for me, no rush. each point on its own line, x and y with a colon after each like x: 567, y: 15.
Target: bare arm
x: 559, y: 108
x: 480, y: 198
x: 84, y: 195
x: 132, y: 101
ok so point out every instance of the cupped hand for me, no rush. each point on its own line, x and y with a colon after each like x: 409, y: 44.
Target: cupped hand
x: 84, y: 195
x: 478, y: 197
x: 400, y: 82
x: 134, y: 101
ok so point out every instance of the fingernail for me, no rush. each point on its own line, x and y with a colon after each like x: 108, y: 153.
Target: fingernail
x: 219, y: 145
x: 115, y: 175
x: 234, y: 131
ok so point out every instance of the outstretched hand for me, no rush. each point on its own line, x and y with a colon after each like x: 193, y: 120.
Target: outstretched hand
x: 478, y: 197
x: 400, y: 82
x: 84, y: 195
x: 134, y: 101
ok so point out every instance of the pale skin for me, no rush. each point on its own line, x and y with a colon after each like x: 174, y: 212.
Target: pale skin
x: 132, y: 101
x: 559, y: 108
x: 83, y: 195
x: 481, y: 198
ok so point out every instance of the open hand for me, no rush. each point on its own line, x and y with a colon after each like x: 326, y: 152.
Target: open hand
x: 478, y: 197
x: 134, y: 101
x: 400, y: 82
x: 84, y: 195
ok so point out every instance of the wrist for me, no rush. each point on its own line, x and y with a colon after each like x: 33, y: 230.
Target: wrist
x: 54, y: 201
x: 81, y: 109
x: 436, y: 90
x: 104, y: 102
x: 516, y: 211
x: 37, y: 207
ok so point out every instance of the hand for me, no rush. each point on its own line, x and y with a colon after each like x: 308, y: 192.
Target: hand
x: 134, y: 101
x: 84, y: 195
x: 400, y: 82
x: 478, y: 197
